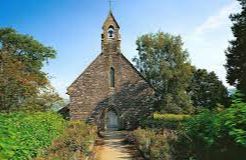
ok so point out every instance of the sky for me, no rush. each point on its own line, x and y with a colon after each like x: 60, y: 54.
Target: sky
x: 74, y: 27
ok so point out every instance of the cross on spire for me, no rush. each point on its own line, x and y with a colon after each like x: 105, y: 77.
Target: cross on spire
x: 110, y: 4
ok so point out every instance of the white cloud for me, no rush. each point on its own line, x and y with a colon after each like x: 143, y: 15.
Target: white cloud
x: 209, y: 40
x: 217, y: 20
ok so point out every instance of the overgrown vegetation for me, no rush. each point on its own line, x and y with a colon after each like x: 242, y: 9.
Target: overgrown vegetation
x: 74, y: 143
x: 216, y: 135
x: 23, y: 135
x: 157, y: 135
x: 208, y: 135
x: 155, y: 146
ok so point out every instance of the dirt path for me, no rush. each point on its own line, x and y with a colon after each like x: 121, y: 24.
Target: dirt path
x: 113, y: 147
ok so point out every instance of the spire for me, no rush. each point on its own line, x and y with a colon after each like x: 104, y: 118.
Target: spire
x: 110, y: 20
x: 110, y: 35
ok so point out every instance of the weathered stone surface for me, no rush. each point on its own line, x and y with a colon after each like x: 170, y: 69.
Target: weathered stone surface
x: 92, y: 93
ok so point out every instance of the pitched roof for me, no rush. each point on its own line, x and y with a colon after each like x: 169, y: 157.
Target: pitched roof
x: 124, y: 58
x: 110, y: 15
x: 81, y: 75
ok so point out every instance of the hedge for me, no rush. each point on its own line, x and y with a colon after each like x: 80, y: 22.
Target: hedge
x: 160, y: 121
x: 23, y: 135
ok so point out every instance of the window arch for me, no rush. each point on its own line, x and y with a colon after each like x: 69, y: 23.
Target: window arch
x: 112, y: 77
x: 111, y: 32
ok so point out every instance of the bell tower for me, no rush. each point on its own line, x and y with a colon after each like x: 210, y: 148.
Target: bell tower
x: 111, y: 36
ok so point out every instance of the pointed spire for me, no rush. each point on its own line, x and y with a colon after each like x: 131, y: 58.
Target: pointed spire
x: 110, y: 20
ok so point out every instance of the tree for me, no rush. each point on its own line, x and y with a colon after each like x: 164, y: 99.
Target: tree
x: 164, y: 63
x: 47, y: 99
x: 236, y: 52
x: 206, y: 90
x: 21, y: 61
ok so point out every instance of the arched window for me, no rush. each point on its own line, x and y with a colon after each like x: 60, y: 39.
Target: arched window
x: 112, y: 77
x: 111, y: 32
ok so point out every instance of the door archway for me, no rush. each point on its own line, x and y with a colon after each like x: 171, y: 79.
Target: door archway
x: 111, y: 120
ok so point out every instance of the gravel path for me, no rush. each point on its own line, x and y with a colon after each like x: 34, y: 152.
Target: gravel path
x: 113, y: 147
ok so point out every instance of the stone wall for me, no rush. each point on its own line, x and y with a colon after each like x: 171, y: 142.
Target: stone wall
x: 91, y: 95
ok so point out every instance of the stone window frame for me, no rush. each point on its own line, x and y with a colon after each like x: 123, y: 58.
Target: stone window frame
x: 112, y: 30
x: 112, y: 77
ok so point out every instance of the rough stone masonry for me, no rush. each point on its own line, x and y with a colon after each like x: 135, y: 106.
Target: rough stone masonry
x: 110, y: 83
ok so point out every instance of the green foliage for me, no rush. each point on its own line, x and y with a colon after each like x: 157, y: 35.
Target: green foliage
x: 236, y: 57
x: 171, y: 117
x: 233, y: 123
x: 46, y: 100
x: 209, y: 135
x: 206, y: 90
x: 203, y: 127
x: 21, y: 60
x: 155, y: 146
x: 161, y: 121
x: 23, y: 135
x: 73, y: 144
x: 216, y: 134
x: 164, y: 63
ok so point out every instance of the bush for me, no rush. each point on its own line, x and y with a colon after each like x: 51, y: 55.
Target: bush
x: 160, y: 121
x: 233, y: 123
x: 155, y: 146
x: 73, y: 144
x: 216, y: 135
x: 209, y: 135
x: 23, y: 135
x: 171, y: 117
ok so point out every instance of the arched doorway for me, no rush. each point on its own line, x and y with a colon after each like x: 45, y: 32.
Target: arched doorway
x: 111, y: 120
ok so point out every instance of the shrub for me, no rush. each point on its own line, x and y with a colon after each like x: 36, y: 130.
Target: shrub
x: 155, y: 146
x: 216, y: 135
x: 73, y: 144
x: 171, y: 117
x: 23, y: 135
x: 160, y: 121
x: 233, y: 123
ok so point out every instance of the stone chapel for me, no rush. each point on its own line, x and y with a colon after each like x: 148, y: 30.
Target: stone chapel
x: 110, y: 92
